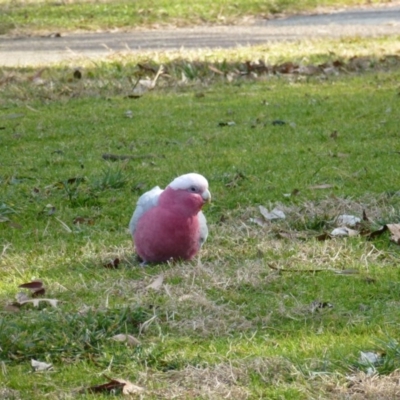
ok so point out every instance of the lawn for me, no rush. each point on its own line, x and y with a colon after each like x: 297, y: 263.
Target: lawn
x: 44, y: 16
x: 271, y: 309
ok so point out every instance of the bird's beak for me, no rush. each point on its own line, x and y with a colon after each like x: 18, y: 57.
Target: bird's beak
x: 206, y: 195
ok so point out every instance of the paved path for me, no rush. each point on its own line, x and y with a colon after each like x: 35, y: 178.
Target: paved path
x: 368, y: 21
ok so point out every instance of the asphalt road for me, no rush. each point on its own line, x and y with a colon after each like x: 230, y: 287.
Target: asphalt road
x: 367, y: 21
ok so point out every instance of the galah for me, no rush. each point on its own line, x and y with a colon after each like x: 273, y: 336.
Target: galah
x: 169, y: 224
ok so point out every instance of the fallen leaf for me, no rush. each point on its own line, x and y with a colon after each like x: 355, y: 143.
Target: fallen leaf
x: 129, y: 339
x: 83, y: 220
x: 376, y: 233
x: 34, y: 285
x: 274, y: 214
x: 116, y: 384
x: 157, y: 283
x: 394, y: 229
x: 258, y: 221
x: 77, y: 74
x: 285, y: 68
x: 344, y: 231
x: 347, y: 220
x: 21, y: 297
x: 40, y: 366
x: 38, y: 292
x: 369, y: 358
x: 323, y: 236
x: 113, y: 264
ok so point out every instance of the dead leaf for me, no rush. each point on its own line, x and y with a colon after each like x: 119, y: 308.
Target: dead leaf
x: 116, y: 384
x: 21, y: 297
x: 378, y: 232
x: 344, y: 231
x: 157, y: 283
x: 347, y: 220
x: 78, y: 74
x: 36, y: 288
x: 285, y: 68
x: 274, y: 214
x: 83, y: 220
x: 129, y: 339
x: 258, y: 221
x: 33, y: 285
x: 394, y: 229
x: 113, y: 264
x: 323, y: 236
x: 40, y: 366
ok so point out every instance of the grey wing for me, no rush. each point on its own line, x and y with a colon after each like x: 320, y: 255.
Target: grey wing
x: 203, y: 228
x: 146, y: 201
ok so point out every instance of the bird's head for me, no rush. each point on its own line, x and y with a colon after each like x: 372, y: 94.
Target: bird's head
x: 189, y: 191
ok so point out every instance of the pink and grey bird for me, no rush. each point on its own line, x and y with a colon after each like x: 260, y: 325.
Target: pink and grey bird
x: 169, y: 224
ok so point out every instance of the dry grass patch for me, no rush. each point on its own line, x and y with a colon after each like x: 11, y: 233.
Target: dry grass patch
x: 361, y: 386
x: 213, y: 382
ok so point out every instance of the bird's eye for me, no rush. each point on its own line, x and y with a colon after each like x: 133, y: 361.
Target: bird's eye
x: 193, y: 189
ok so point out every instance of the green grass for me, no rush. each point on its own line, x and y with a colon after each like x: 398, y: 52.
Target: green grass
x: 45, y: 16
x: 229, y: 324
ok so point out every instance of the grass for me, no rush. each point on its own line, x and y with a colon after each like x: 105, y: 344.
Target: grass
x: 241, y: 322
x: 46, y: 16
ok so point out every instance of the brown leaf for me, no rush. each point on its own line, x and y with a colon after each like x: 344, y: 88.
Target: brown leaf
x: 38, y: 292
x: 113, y: 264
x: 365, y: 217
x: 83, y: 220
x: 34, y: 285
x: 323, y: 236
x: 377, y: 233
x: 116, y: 384
x: 77, y: 74
x: 106, y: 387
x: 285, y: 68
